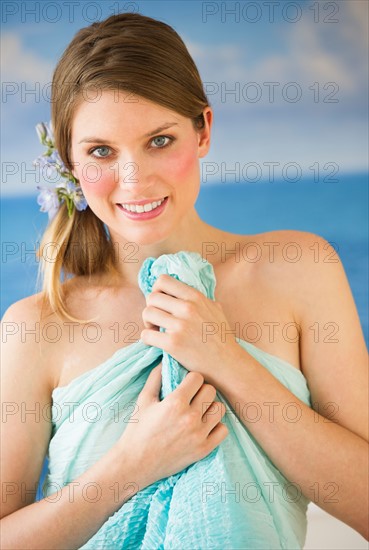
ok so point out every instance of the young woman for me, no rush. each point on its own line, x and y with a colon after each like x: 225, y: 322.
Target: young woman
x: 131, y: 121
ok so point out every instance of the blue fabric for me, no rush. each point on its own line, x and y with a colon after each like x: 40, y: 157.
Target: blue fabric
x: 234, y: 498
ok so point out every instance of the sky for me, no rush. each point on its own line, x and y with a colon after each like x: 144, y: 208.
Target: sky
x: 288, y: 82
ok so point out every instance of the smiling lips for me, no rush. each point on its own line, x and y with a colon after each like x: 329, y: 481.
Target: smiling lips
x: 142, y: 206
x: 143, y: 212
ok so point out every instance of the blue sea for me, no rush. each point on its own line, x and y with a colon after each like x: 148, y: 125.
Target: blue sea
x: 336, y: 211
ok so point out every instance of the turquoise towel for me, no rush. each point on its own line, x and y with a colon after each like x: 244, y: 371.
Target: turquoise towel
x: 234, y: 498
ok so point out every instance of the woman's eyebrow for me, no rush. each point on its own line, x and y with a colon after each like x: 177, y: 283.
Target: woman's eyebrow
x: 92, y: 139
x: 161, y: 128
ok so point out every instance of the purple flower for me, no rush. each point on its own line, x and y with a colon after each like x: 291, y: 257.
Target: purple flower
x: 75, y: 193
x: 41, y: 161
x: 55, y: 160
x: 50, y: 170
x: 80, y: 201
x: 53, y: 164
x: 67, y: 190
x: 45, y: 133
x: 48, y: 200
x: 41, y: 131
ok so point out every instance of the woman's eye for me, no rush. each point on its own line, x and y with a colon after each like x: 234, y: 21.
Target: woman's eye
x: 160, y: 144
x: 100, y: 156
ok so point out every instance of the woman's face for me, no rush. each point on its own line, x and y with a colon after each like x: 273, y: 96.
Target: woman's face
x: 121, y: 153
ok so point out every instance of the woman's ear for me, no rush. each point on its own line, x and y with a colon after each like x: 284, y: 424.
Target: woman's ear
x: 205, y: 133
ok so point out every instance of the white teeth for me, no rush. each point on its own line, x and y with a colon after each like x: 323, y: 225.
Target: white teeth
x: 142, y: 208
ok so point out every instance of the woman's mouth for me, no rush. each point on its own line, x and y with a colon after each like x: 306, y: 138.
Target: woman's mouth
x: 144, y: 212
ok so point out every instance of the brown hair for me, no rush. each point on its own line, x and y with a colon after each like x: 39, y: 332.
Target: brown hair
x: 128, y: 52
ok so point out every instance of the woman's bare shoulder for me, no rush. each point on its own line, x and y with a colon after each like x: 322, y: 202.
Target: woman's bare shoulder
x: 30, y: 329
x: 286, y: 261
x: 22, y: 340
x: 281, y: 239
x: 287, y: 250
x: 36, y: 307
x: 26, y: 309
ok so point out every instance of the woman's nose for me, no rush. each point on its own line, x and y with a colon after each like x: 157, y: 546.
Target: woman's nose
x: 130, y: 172
x: 126, y: 174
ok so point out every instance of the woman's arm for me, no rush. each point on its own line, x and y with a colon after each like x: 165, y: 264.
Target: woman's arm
x: 325, y: 449
x: 71, y: 516
x: 68, y: 518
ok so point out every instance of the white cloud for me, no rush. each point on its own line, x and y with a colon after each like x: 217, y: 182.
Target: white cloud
x: 224, y: 60
x: 307, y: 61
x: 22, y: 65
x: 306, y: 52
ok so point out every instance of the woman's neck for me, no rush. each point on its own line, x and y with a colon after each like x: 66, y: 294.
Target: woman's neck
x: 192, y: 234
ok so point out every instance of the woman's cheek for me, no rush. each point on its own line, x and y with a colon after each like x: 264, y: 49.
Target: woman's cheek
x: 96, y: 181
x: 181, y: 166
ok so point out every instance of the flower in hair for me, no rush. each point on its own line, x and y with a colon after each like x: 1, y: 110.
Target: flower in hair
x: 68, y: 190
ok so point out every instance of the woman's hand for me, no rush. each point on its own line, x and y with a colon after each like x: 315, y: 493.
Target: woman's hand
x: 167, y: 436
x: 197, y: 333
